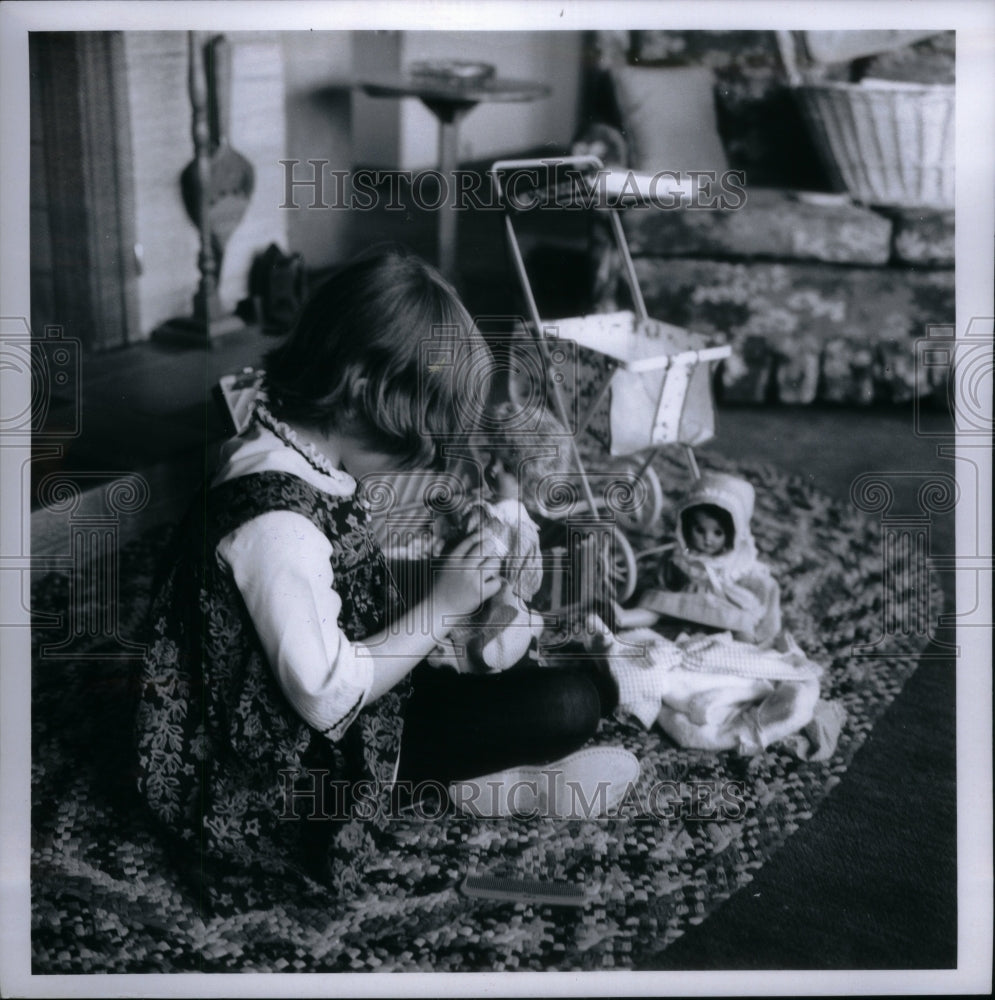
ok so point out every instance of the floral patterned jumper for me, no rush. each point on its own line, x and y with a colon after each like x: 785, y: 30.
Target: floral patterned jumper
x: 214, y: 729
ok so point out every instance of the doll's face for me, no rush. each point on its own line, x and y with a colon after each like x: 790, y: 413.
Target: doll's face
x: 707, y: 536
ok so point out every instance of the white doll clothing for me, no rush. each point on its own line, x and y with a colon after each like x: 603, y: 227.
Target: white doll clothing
x: 642, y: 663
x: 731, y: 695
x: 711, y: 691
x: 512, y: 535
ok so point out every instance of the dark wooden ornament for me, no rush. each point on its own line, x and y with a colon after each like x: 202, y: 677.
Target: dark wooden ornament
x: 216, y: 187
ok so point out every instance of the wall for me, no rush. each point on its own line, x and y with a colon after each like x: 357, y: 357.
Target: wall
x: 161, y: 122
x: 317, y: 77
x: 376, y: 129
x: 490, y: 130
x: 294, y: 98
x: 329, y: 118
x: 43, y: 307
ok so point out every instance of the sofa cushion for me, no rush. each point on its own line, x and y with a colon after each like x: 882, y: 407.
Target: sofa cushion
x: 668, y: 116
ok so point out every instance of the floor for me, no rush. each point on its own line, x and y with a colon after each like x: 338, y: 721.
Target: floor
x: 870, y: 882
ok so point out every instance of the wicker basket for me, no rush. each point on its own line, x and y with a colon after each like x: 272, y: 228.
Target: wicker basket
x: 888, y: 143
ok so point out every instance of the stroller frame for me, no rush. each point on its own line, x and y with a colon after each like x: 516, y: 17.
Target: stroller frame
x: 629, y: 349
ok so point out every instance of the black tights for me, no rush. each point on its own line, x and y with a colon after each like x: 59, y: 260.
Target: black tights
x: 463, y: 726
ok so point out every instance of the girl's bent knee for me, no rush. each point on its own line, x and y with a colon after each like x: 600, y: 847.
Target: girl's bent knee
x: 573, y: 711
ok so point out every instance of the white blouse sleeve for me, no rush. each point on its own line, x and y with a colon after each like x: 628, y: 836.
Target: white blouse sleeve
x: 280, y: 563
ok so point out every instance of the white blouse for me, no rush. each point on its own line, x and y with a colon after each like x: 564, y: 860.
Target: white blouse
x: 280, y: 564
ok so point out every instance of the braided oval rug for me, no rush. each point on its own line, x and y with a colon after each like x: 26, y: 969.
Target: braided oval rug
x: 107, y: 897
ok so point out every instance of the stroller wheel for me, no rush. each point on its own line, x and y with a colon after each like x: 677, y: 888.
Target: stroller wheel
x: 621, y: 568
x: 644, y: 517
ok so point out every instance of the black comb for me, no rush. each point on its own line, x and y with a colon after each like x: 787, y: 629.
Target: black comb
x: 524, y: 890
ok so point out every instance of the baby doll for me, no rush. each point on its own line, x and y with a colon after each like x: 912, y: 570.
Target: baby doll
x: 742, y: 682
x: 714, y: 577
x: 499, y: 634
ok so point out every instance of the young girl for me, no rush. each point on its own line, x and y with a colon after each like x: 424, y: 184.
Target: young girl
x: 279, y: 651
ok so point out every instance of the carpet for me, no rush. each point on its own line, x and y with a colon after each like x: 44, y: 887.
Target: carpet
x: 107, y: 896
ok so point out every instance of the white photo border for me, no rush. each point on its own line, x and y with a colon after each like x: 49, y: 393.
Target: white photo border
x: 975, y: 24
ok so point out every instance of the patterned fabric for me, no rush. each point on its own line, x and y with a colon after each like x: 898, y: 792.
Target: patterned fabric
x: 107, y: 897
x: 216, y: 736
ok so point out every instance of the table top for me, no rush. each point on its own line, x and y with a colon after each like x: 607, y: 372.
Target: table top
x: 433, y: 88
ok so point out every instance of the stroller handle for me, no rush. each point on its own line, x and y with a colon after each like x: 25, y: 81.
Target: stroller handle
x: 503, y: 167
x: 500, y: 167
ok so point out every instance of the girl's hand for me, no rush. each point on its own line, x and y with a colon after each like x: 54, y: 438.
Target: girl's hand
x: 468, y: 578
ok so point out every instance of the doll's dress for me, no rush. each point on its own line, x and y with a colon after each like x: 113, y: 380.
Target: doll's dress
x: 741, y: 596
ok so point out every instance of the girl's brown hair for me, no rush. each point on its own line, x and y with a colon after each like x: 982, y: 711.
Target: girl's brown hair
x: 386, y: 351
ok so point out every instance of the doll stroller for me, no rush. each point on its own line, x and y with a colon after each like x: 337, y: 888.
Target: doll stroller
x: 654, y: 379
